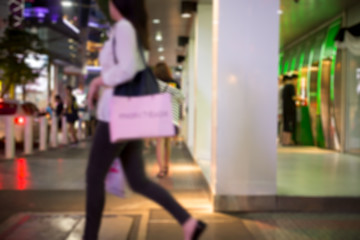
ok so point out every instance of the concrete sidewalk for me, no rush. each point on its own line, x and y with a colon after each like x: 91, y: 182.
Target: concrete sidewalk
x: 42, y: 197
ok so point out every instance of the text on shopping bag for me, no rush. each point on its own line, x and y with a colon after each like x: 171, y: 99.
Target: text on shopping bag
x: 141, y: 117
x: 145, y: 114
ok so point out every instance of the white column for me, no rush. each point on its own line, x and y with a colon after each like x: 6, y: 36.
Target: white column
x: 190, y: 95
x: 56, y: 79
x: 9, y: 137
x: 54, y: 132
x: 203, y: 88
x: 80, y: 130
x: 28, y: 138
x: 245, y: 57
x: 43, y: 133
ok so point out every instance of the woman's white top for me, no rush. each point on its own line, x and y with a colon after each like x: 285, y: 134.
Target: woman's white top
x: 129, y: 62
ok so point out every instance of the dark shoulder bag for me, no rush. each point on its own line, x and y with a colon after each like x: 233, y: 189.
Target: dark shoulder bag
x: 144, y: 82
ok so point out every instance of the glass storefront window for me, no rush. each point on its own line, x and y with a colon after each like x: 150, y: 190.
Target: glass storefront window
x: 353, y: 104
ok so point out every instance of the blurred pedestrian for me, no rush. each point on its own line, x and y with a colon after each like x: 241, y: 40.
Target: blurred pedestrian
x: 128, y: 34
x: 289, y: 110
x: 163, y: 72
x: 71, y: 113
x: 48, y: 111
x: 163, y: 146
x: 59, y: 109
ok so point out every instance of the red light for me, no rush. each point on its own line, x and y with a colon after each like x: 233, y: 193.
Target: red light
x: 20, y: 120
x: 22, y: 174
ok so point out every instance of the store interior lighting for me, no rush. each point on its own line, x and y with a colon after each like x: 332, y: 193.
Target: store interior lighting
x: 158, y: 37
x: 67, y: 3
x: 188, y: 8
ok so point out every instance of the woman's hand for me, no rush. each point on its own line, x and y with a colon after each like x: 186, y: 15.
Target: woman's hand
x: 93, y: 91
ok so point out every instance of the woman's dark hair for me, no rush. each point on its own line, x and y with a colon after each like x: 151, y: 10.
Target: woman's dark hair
x: 162, y: 72
x: 135, y: 12
x: 57, y: 98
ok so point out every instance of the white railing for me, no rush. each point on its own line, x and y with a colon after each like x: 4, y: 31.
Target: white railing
x: 44, y: 139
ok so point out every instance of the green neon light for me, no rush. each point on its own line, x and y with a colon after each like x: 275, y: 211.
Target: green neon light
x: 332, y: 50
x: 286, y: 66
x: 332, y: 76
x: 327, y: 46
x: 280, y: 62
x: 311, y: 57
x: 293, y: 64
x: 301, y: 63
x: 318, y: 111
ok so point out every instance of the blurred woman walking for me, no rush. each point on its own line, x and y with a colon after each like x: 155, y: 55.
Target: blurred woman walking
x: 129, y: 29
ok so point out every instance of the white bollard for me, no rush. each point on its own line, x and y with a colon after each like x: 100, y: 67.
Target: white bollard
x: 79, y: 130
x: 43, y: 133
x: 28, y: 139
x: 54, y: 132
x: 64, y: 131
x: 9, y: 137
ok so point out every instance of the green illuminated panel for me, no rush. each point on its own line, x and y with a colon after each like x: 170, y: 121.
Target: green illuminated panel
x: 328, y: 49
x: 286, y: 66
x: 301, y: 62
x: 311, y: 56
x: 281, y: 59
x: 318, y: 97
x: 331, y: 51
x: 332, y: 76
x: 293, y: 63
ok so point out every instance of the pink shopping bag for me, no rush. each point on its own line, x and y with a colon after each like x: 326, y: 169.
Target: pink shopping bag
x: 141, y: 117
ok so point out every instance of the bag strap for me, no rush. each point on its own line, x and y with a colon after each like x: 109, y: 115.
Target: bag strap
x: 140, y: 48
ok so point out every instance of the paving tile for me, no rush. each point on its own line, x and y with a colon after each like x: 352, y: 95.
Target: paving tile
x: 54, y: 182
x: 303, y: 226
x: 55, y: 226
x: 220, y: 226
x: 32, y: 227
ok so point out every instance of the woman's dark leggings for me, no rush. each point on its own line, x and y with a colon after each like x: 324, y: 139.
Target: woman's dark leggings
x: 101, y: 157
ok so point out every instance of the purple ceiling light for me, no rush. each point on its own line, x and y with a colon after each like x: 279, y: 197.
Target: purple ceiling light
x: 38, y: 12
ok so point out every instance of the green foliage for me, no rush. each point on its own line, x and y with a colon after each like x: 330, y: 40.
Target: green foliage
x: 15, y: 46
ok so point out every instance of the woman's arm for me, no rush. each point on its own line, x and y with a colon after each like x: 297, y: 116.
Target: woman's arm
x: 178, y: 95
x: 175, y: 93
x: 126, y: 53
x: 95, y: 85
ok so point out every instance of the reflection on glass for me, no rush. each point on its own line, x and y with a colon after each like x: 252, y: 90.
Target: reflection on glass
x: 353, y: 101
x: 313, y: 97
x: 22, y: 174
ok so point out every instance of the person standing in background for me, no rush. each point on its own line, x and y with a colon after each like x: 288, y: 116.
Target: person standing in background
x: 163, y: 146
x: 289, y: 110
x: 71, y: 113
x: 59, y: 109
x: 163, y: 72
